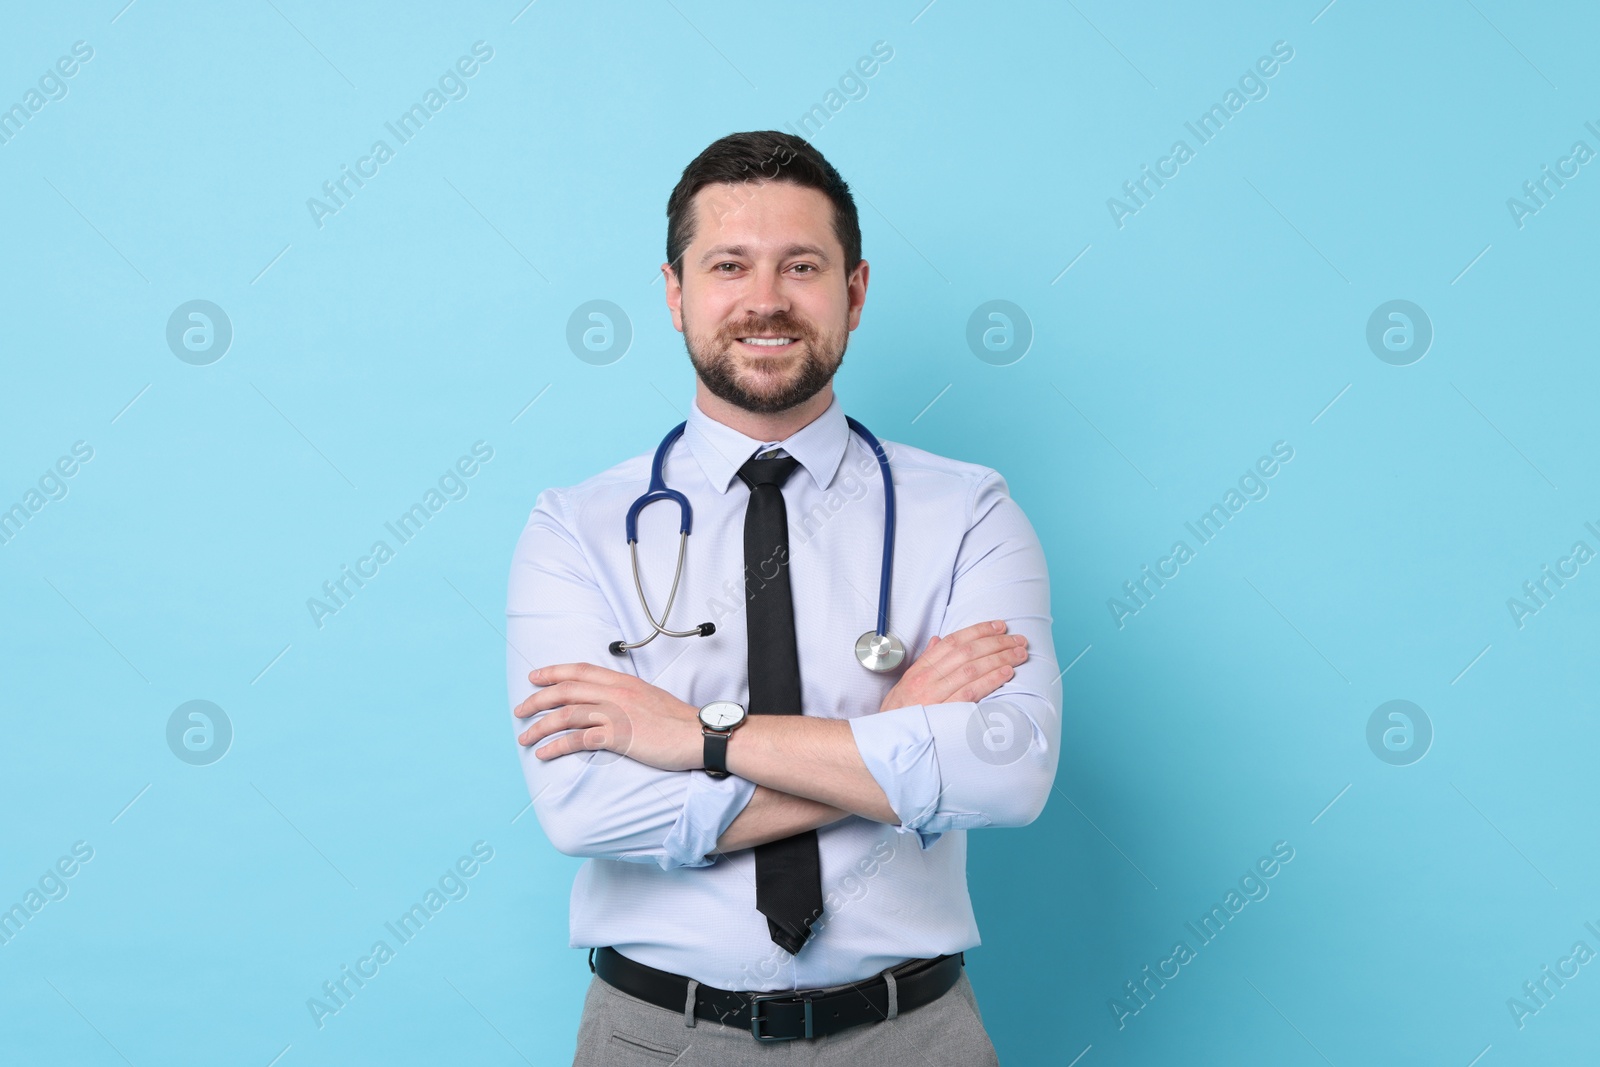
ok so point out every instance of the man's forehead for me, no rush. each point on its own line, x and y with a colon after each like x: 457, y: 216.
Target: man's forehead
x: 760, y: 212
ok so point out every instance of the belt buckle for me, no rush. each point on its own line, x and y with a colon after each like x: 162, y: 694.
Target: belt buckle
x: 757, y: 999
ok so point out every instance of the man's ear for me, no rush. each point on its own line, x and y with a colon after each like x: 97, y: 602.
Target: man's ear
x: 674, y: 295
x: 856, y: 288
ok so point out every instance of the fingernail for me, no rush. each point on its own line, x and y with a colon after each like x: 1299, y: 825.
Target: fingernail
x: 997, y: 626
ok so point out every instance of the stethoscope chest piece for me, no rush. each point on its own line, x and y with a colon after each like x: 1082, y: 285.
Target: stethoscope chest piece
x: 880, y: 652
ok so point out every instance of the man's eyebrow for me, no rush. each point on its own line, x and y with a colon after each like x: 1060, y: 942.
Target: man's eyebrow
x: 743, y: 252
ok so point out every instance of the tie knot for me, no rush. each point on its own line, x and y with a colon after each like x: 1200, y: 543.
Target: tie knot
x: 774, y: 471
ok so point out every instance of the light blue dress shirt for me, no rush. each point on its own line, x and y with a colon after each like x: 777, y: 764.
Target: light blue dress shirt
x: 655, y: 888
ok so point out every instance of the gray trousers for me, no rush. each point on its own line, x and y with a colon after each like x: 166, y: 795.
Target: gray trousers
x: 618, y: 1030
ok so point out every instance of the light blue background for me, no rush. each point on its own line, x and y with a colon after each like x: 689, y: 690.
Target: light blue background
x: 1227, y: 315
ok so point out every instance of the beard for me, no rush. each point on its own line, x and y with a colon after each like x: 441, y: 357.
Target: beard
x: 775, y: 383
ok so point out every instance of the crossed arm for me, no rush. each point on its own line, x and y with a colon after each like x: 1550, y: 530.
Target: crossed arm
x: 605, y: 754
x: 808, y: 771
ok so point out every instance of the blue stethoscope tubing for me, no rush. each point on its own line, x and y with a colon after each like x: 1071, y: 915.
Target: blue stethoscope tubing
x: 877, y: 650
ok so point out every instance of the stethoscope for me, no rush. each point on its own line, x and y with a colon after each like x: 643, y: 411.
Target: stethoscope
x: 878, y: 650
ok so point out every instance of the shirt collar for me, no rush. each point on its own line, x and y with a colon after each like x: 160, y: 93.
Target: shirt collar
x: 819, y: 445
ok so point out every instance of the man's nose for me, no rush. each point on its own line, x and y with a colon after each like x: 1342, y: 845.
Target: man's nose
x: 765, y: 297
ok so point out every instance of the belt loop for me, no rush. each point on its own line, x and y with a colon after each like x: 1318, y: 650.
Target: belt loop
x: 688, y: 1007
x: 894, y: 996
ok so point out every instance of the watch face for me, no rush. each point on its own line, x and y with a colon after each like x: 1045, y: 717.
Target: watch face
x: 721, y: 714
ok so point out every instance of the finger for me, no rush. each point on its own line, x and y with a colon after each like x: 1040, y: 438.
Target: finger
x: 554, y: 696
x: 977, y: 630
x: 1005, y: 645
x: 981, y: 687
x: 601, y: 726
x: 967, y: 670
x: 954, y: 643
x: 938, y: 651
x: 532, y: 705
x: 577, y: 741
x: 987, y: 646
x: 1008, y: 657
x: 578, y: 717
x: 539, y: 700
x: 579, y: 672
x: 554, y: 722
x: 562, y: 746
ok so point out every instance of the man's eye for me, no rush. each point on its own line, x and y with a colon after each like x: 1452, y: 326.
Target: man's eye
x: 719, y: 267
x: 809, y: 268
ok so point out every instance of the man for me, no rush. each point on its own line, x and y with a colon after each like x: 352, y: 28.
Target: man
x: 761, y: 814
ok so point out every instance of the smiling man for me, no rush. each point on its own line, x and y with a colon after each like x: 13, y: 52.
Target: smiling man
x: 776, y: 835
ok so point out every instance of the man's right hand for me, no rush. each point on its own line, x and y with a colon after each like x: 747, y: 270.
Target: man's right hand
x: 966, y: 666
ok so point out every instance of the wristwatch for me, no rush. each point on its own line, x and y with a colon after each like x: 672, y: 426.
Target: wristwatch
x: 718, y: 720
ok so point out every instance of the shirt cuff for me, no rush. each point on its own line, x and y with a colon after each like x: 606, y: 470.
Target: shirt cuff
x: 709, y: 807
x: 897, y: 747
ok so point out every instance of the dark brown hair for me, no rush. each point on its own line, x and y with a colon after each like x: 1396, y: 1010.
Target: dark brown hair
x: 764, y: 155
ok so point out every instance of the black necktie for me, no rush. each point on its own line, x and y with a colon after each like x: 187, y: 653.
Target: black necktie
x: 788, y: 871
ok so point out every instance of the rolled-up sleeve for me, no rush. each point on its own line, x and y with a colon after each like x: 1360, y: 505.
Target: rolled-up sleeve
x: 597, y: 804
x: 991, y: 762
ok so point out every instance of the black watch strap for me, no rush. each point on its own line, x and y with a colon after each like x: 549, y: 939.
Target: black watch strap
x: 716, y: 757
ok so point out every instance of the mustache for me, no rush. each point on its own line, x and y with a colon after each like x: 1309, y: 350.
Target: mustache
x: 781, y: 325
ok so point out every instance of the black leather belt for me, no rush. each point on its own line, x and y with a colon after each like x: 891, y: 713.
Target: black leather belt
x: 787, y: 1015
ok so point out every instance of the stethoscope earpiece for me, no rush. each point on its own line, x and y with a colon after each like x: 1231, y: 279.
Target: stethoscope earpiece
x: 876, y: 650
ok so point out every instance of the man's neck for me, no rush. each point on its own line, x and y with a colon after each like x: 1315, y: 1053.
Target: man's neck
x: 763, y: 427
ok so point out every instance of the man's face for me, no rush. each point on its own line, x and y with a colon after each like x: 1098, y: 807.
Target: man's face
x: 765, y: 266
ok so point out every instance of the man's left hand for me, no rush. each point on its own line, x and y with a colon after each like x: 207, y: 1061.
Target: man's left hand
x: 607, y: 709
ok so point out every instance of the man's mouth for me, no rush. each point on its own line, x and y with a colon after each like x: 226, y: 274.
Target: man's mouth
x: 768, y: 344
